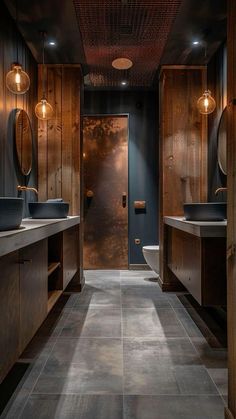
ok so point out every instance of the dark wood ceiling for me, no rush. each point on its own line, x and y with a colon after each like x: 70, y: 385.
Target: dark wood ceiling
x: 151, y: 32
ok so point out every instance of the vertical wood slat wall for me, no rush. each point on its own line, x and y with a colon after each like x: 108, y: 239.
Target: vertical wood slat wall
x: 231, y: 207
x: 10, y: 175
x: 183, y: 150
x: 59, y: 139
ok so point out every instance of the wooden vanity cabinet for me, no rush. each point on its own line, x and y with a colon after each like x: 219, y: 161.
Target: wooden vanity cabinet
x: 33, y: 262
x: 9, y: 312
x: 70, y: 254
x: 200, y: 264
x: 32, y: 278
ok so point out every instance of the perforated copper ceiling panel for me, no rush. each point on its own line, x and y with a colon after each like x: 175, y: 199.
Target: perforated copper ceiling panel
x: 135, y: 29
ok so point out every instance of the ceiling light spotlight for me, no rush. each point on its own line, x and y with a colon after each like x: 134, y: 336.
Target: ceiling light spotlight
x: 196, y: 42
x: 122, y: 63
x: 52, y: 43
x: 124, y: 83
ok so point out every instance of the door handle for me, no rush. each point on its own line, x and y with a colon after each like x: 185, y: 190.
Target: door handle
x: 124, y: 199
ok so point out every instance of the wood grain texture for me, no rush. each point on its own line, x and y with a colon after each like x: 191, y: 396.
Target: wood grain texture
x: 59, y: 139
x: 231, y: 208
x: 70, y: 254
x: 9, y: 312
x: 33, y: 290
x: 10, y: 175
x: 106, y: 175
x: 200, y: 264
x: 183, y: 149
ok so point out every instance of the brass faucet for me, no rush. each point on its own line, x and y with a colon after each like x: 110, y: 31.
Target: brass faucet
x: 26, y: 188
x: 220, y: 190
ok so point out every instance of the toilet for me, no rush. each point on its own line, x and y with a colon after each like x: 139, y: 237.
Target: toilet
x: 151, y: 255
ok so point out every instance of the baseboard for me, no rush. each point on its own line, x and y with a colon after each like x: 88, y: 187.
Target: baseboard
x: 228, y: 414
x: 139, y: 267
x: 170, y: 286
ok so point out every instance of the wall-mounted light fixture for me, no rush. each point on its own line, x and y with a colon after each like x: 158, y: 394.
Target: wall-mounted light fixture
x: 43, y: 109
x: 17, y: 80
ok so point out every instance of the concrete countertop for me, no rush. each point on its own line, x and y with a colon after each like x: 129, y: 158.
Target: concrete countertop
x: 33, y: 230
x: 198, y: 228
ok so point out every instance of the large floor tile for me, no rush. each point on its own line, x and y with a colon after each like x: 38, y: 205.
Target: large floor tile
x: 93, y: 322
x: 191, y: 328
x: 143, y: 297
x: 148, y: 322
x: 220, y: 378
x: 145, y: 280
x: 83, y: 366
x: 194, y: 380
x: 173, y: 407
x: 72, y: 406
x: 211, y: 357
x: 150, y: 364
x: 95, y: 296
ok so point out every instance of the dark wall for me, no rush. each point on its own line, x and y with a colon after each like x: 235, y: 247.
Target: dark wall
x: 10, y: 175
x: 143, y: 158
x: 217, y: 83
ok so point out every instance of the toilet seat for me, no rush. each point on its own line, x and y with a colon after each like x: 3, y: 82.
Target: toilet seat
x: 151, y: 248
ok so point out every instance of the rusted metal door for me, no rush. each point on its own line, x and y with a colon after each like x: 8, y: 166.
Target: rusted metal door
x: 105, y: 152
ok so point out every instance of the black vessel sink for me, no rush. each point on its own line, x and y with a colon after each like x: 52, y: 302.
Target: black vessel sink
x: 11, y: 213
x: 205, y: 211
x: 48, y: 209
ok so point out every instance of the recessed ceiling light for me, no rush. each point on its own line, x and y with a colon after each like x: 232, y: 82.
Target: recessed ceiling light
x: 124, y: 83
x: 122, y: 63
x: 196, y: 42
x: 52, y: 43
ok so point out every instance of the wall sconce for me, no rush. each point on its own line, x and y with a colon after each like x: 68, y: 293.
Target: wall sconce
x: 43, y: 109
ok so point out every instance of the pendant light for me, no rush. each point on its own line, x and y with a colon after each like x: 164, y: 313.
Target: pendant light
x: 17, y: 80
x: 206, y: 103
x: 43, y: 109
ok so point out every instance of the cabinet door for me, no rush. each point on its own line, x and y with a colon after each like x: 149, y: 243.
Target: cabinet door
x: 9, y: 312
x: 33, y: 290
x: 70, y: 254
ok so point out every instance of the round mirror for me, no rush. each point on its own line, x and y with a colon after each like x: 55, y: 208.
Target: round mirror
x: 222, y: 142
x: 23, y: 138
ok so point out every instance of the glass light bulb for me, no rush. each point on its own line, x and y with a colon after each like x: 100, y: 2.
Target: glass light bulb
x: 17, y: 80
x: 44, y: 110
x: 206, y: 103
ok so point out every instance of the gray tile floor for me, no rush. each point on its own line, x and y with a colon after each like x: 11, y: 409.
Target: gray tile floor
x: 121, y: 350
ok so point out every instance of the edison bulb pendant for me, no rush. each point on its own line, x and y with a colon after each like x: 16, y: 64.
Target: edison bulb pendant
x: 17, y: 80
x: 206, y: 103
x: 43, y: 110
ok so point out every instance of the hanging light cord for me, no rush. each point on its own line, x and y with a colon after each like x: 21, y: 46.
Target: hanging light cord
x: 17, y: 34
x: 43, y: 43
x: 205, y: 61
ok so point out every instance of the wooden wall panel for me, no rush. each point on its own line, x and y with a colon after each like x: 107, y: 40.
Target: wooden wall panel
x: 59, y: 140
x: 10, y: 175
x: 231, y: 229
x: 183, y: 149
